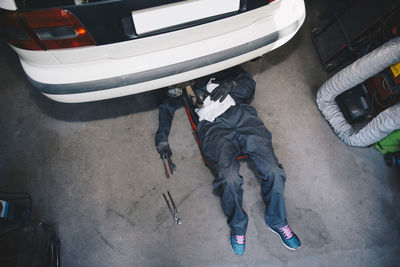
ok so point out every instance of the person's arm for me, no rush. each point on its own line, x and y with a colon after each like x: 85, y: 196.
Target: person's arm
x: 236, y: 82
x: 244, y: 85
x: 165, y: 117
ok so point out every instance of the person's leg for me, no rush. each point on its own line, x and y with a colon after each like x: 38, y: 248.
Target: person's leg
x: 255, y: 140
x: 228, y: 186
x: 259, y: 148
x: 221, y: 150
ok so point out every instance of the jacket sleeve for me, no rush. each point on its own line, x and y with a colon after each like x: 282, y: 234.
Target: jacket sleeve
x: 165, y: 117
x: 245, y: 86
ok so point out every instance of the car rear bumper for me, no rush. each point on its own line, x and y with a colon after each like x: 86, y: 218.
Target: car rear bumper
x: 65, y: 77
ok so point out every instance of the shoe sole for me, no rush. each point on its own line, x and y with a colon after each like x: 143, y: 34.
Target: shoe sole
x: 282, y: 240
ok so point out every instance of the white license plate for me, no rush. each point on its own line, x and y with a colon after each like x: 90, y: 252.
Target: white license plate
x: 152, y: 19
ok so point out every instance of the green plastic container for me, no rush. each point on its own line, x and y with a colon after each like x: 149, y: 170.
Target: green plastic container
x: 390, y: 143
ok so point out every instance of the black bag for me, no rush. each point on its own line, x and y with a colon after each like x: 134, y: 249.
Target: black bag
x: 28, y: 245
x: 23, y: 242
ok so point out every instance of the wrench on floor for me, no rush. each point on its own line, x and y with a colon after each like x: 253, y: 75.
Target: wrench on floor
x: 167, y: 162
x: 172, y: 210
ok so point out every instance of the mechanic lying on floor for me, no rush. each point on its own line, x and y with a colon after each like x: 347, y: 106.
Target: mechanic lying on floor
x: 227, y: 128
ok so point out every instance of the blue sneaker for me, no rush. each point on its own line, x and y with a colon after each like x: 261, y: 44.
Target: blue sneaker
x: 288, y: 237
x: 238, y: 244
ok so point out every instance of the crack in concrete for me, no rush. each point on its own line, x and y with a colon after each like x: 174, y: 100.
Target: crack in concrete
x: 121, y: 216
x: 105, y: 241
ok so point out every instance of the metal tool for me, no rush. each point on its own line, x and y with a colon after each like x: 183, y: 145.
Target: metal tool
x: 167, y: 162
x: 172, y: 210
x: 196, y: 100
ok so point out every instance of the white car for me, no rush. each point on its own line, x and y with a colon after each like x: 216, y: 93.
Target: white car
x: 86, y: 50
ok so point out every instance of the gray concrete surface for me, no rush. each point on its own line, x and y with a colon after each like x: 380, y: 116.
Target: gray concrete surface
x: 94, y: 174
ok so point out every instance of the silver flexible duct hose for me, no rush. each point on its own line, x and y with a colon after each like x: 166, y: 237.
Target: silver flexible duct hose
x: 354, y: 74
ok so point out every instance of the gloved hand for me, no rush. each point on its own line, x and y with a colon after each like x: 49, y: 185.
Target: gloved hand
x: 165, y: 154
x: 164, y: 150
x: 222, y: 91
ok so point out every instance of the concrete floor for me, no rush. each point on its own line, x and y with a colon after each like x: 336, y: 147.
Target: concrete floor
x: 93, y: 173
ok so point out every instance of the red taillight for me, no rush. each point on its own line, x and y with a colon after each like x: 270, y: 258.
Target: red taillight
x: 44, y: 29
x: 14, y: 29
